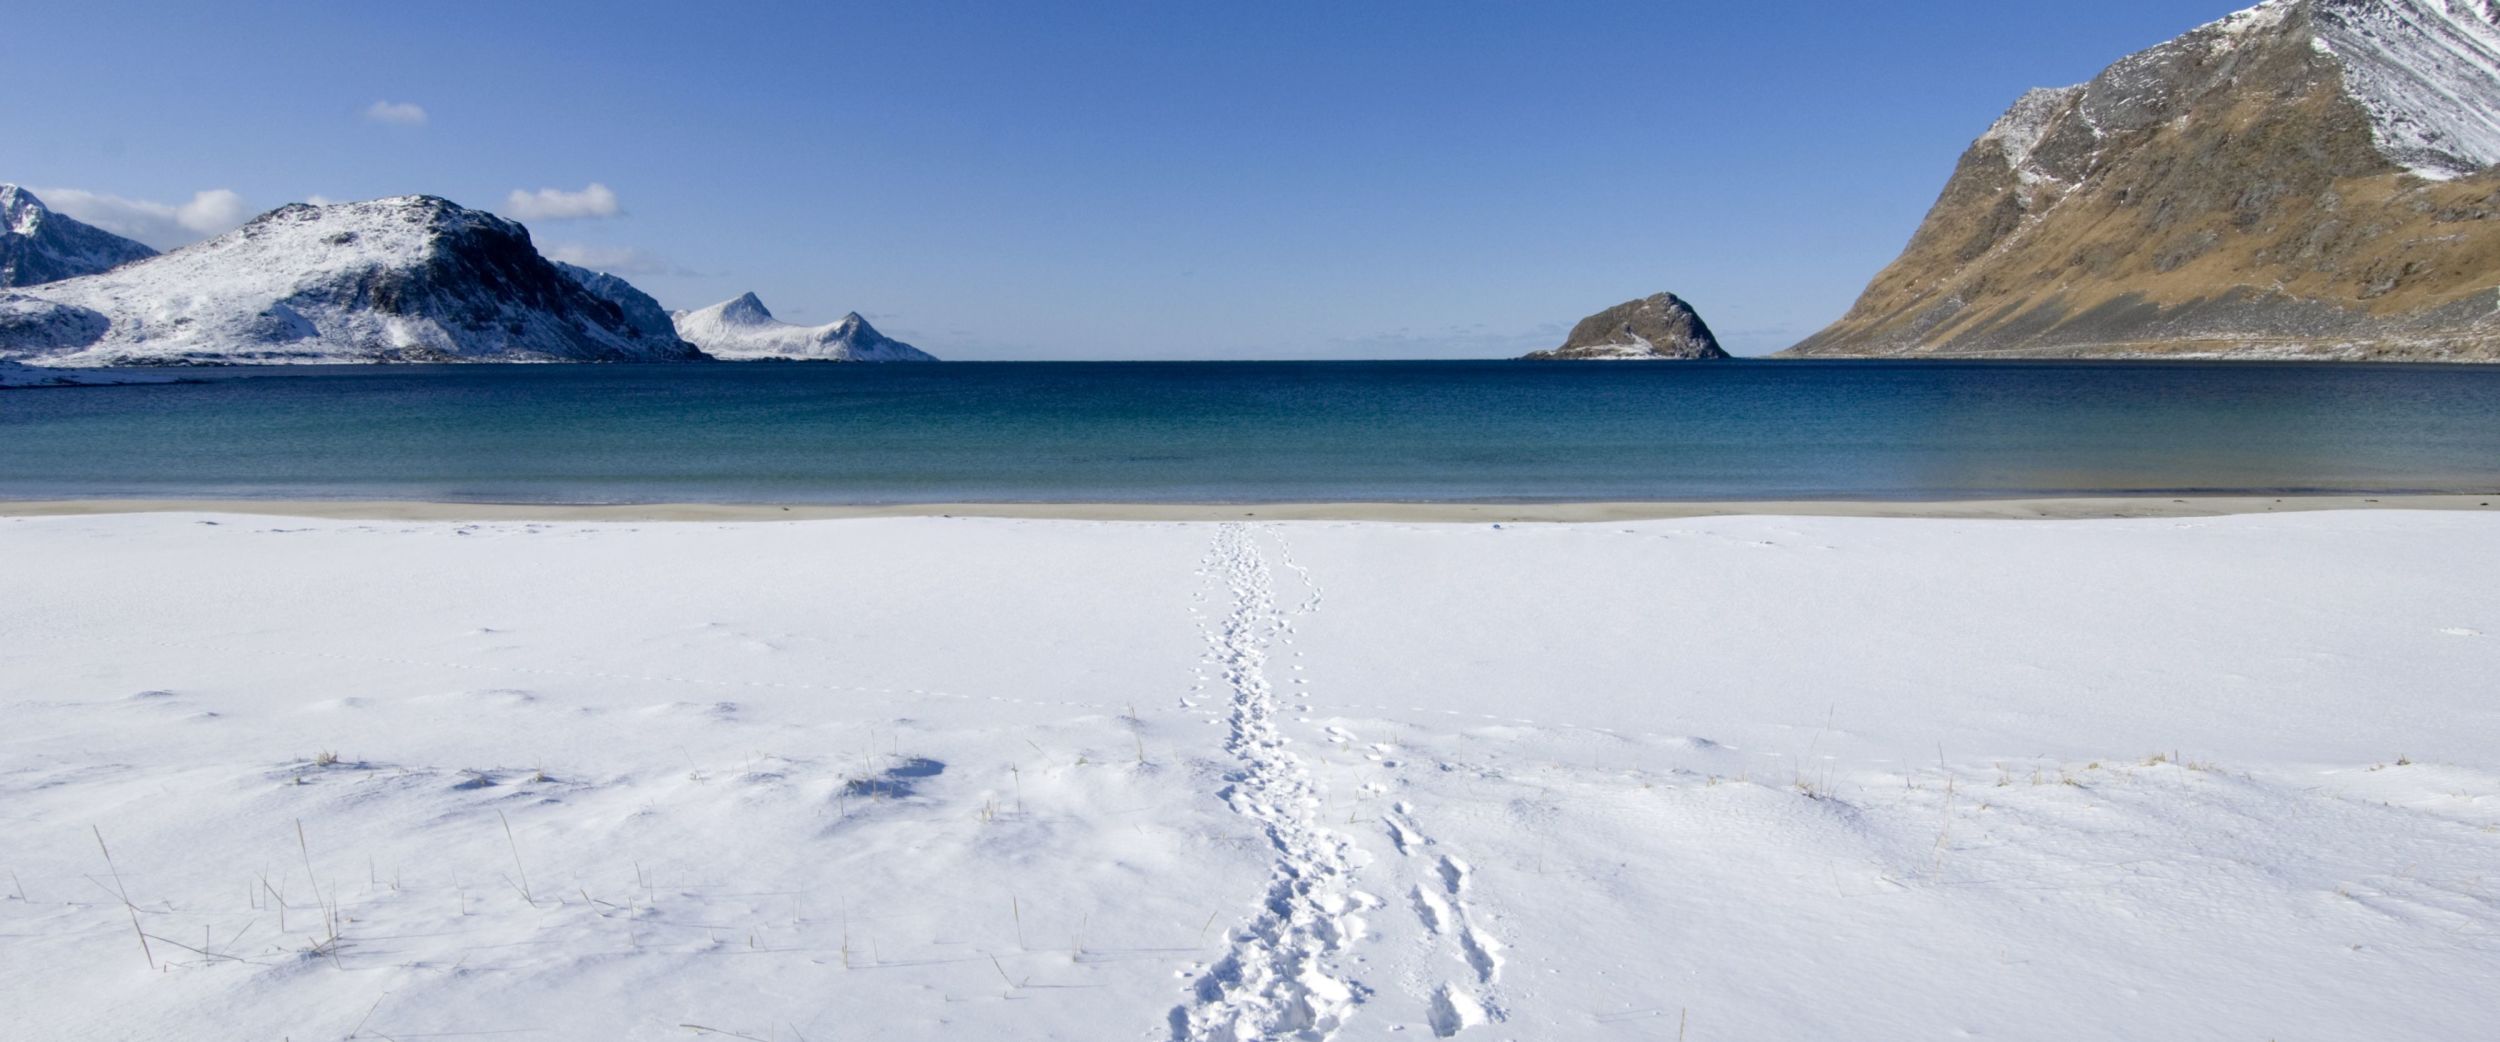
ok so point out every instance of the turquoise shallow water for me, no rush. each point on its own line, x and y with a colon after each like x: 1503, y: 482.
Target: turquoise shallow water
x: 1416, y: 431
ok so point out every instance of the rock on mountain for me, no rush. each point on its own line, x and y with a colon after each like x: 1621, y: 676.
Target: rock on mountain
x: 642, y: 313
x: 37, y: 245
x: 408, y: 279
x: 2306, y: 178
x: 742, y: 330
x: 1660, y: 327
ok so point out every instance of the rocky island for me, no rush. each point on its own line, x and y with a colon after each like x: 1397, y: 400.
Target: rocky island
x: 1661, y: 327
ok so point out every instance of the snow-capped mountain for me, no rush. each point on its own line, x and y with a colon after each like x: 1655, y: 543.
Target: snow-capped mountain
x: 742, y: 330
x: 38, y: 245
x: 642, y: 313
x: 1660, y: 327
x: 413, y: 278
x: 2305, y: 178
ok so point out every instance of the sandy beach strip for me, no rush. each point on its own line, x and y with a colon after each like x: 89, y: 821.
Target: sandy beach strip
x: 2069, y: 508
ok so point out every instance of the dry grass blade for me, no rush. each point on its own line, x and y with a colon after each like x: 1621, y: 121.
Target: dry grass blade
x: 124, y: 893
x: 524, y: 873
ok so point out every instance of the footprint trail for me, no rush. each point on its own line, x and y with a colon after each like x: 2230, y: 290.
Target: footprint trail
x: 1279, y: 979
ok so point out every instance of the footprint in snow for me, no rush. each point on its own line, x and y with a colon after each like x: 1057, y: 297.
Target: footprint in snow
x: 2461, y: 631
x: 1454, y: 1010
x: 1401, y: 835
x: 1434, y: 911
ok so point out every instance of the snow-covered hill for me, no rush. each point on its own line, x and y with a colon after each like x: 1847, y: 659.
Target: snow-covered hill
x: 38, y: 245
x: 413, y: 278
x: 742, y: 330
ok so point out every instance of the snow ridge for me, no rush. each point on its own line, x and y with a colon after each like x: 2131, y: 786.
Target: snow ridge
x: 1277, y: 981
x: 2024, y: 126
x: 744, y: 330
x: 412, y: 278
x: 39, y: 246
x: 2427, y: 72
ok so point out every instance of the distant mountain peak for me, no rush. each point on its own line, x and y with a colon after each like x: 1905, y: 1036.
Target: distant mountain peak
x: 38, y: 245
x: 741, y: 329
x: 747, y: 309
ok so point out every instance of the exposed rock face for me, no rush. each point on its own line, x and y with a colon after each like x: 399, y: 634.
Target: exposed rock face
x: 743, y: 330
x: 415, y: 278
x: 1655, y: 328
x: 37, y: 245
x: 642, y: 313
x: 2307, y: 178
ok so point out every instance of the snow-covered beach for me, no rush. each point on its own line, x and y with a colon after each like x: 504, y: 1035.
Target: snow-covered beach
x: 928, y: 777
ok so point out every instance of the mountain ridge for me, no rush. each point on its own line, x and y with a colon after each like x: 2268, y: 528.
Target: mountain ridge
x: 743, y: 329
x: 40, y: 245
x: 404, y: 279
x: 2300, y: 179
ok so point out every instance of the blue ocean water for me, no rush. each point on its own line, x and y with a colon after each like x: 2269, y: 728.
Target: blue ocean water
x: 1408, y: 431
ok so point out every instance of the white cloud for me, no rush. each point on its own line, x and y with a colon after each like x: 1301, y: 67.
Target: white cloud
x: 615, y: 260
x: 396, y: 113
x: 162, y: 225
x: 556, y: 204
x: 322, y: 200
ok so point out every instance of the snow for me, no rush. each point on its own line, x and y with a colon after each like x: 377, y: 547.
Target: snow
x: 742, y: 329
x: 38, y: 245
x: 2427, y: 72
x: 298, y: 285
x: 946, y: 778
x: 2024, y: 126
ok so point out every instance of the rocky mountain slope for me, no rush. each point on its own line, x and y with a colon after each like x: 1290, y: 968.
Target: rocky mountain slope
x: 1661, y: 327
x: 38, y: 245
x: 642, y: 314
x: 743, y: 330
x: 2306, y: 178
x: 408, y: 279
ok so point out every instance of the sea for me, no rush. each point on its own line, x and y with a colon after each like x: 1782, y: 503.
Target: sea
x: 1224, y: 432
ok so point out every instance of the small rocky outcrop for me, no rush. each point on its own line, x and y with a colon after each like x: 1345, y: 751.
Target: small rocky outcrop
x: 1655, y: 328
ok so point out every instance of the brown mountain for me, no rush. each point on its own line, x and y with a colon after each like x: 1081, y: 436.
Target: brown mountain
x: 2307, y: 178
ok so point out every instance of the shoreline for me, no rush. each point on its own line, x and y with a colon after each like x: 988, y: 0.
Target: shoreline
x: 2063, y: 508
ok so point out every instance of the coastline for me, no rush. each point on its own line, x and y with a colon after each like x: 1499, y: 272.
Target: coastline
x: 2066, y: 508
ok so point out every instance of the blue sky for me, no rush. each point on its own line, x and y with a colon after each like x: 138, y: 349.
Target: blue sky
x: 1152, y: 180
